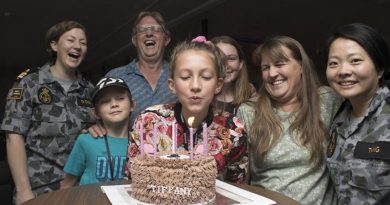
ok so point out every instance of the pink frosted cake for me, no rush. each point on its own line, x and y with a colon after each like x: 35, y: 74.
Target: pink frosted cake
x: 173, y: 180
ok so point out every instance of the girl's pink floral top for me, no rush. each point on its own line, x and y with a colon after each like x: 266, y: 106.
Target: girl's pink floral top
x: 227, y: 140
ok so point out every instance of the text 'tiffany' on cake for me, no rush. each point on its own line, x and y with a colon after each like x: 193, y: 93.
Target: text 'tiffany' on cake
x: 168, y: 179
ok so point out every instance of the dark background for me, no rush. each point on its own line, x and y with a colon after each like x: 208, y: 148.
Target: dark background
x: 23, y: 24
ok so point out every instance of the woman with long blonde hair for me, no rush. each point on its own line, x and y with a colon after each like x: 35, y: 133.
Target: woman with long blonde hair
x: 288, y: 130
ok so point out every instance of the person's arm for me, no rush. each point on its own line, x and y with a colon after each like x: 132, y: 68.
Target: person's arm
x: 69, y: 181
x: 96, y: 130
x: 245, y: 113
x: 76, y: 164
x: 330, y: 103
x: 16, y: 154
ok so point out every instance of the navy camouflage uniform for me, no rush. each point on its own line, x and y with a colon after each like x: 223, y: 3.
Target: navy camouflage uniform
x: 50, y: 119
x: 358, y: 157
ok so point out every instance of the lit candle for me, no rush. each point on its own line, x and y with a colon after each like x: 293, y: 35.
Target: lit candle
x: 141, y: 135
x: 205, y: 139
x: 190, y: 122
x: 154, y: 140
x: 174, y: 137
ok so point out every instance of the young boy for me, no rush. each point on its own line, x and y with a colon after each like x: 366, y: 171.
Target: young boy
x: 94, y: 159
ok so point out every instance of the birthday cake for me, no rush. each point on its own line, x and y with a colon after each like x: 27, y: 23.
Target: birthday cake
x: 173, y: 179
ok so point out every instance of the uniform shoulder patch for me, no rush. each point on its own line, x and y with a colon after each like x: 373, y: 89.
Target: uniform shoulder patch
x: 25, y: 73
x: 15, y: 94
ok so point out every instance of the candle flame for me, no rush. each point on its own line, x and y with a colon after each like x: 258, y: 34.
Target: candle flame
x: 191, y: 120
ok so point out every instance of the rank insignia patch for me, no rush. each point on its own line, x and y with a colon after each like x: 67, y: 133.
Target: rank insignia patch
x: 15, y: 94
x: 45, y: 95
x: 23, y: 74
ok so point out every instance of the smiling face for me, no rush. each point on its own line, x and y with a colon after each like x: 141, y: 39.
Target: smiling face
x: 150, y: 39
x: 234, y: 64
x: 281, y: 78
x: 195, y: 82
x: 351, y: 72
x: 71, y: 48
x: 113, y: 105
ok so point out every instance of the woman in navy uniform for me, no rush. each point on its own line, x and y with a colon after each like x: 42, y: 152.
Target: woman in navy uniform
x: 45, y: 110
x: 358, y: 153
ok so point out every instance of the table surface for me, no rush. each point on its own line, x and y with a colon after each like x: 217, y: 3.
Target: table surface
x: 92, y: 194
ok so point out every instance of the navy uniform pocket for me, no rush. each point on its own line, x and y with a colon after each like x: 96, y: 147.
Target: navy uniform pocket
x: 373, y: 177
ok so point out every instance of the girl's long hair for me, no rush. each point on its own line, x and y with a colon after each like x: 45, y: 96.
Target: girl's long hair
x: 243, y: 90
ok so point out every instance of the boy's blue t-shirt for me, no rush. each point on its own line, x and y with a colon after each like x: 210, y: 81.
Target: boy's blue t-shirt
x: 88, y: 159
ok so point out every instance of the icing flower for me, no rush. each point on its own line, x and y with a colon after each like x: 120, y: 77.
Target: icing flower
x: 201, y: 39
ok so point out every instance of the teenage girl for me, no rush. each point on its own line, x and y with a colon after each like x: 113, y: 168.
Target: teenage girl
x: 196, y: 76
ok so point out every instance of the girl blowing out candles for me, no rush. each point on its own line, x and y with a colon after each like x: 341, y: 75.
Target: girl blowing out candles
x: 195, y: 78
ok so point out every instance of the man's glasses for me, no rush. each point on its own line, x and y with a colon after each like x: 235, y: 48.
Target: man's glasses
x: 152, y: 28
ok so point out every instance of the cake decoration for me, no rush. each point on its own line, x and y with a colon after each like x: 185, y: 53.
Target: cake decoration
x: 205, y: 139
x: 174, y: 180
x: 190, y: 121
x: 154, y: 140
x: 141, y: 135
x: 175, y: 176
x: 174, y: 137
x: 170, y: 190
